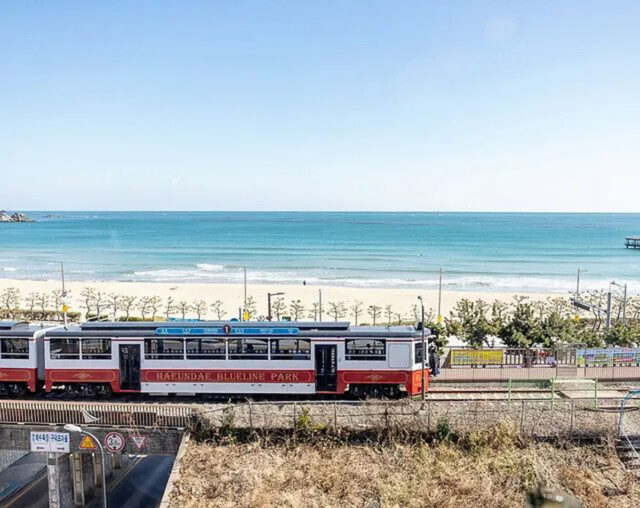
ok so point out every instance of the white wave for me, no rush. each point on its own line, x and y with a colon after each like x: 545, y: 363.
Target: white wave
x: 9, y: 269
x: 208, y: 267
x: 524, y: 283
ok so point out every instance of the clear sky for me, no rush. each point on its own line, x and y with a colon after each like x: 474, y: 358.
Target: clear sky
x: 320, y: 105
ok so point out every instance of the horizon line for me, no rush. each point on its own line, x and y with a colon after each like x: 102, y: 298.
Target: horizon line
x: 24, y: 210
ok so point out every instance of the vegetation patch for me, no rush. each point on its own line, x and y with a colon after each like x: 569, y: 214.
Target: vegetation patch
x: 493, y: 468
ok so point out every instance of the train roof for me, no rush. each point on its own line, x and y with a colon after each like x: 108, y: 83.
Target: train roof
x: 232, y: 328
x: 18, y: 328
x: 12, y: 325
x: 152, y: 325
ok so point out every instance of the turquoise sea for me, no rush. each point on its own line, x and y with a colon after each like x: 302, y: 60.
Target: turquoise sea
x: 478, y: 251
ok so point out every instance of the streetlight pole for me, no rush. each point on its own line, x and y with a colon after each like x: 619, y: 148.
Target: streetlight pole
x: 624, y: 307
x: 608, y: 322
x: 269, y: 295
x: 74, y: 428
x: 320, y: 304
x: 624, y: 301
x: 439, y: 298
x: 578, y: 283
x: 424, y: 350
x: 63, y: 295
x: 244, y: 309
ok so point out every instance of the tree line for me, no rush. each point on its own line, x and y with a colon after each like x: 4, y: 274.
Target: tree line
x: 521, y: 323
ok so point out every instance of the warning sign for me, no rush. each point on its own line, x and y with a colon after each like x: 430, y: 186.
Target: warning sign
x: 139, y: 441
x: 114, y: 442
x: 87, y: 444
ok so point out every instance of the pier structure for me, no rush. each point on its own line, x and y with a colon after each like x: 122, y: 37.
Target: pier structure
x: 632, y: 242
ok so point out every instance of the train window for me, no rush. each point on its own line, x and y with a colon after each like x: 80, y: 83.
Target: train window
x: 64, y: 349
x: 205, y: 349
x: 290, y: 349
x: 248, y: 349
x: 96, y: 349
x: 164, y: 349
x: 418, y: 353
x: 14, y: 348
x: 365, y: 349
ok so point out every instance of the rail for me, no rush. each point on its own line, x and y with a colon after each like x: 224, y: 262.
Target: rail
x: 97, y: 413
x: 621, y: 432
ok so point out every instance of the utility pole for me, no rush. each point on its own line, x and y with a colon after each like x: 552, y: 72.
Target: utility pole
x: 63, y: 295
x: 424, y: 352
x: 269, y: 295
x: 578, y: 283
x: 608, y: 322
x: 320, y: 304
x: 624, y: 307
x: 244, y: 309
x: 624, y: 301
x: 439, y: 299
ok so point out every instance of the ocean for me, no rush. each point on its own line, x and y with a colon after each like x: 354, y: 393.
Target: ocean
x: 477, y: 251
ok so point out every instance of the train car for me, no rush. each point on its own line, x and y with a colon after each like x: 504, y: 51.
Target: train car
x: 225, y: 357
x: 21, y: 346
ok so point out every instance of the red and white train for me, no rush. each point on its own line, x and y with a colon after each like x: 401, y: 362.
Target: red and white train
x: 217, y: 357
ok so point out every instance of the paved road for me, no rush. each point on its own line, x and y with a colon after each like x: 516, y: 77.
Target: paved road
x: 142, y: 487
x: 33, y: 495
x: 24, y: 483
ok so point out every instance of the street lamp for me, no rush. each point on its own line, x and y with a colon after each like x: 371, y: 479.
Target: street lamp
x: 624, y: 301
x: 440, y: 297
x: 320, y: 304
x: 269, y: 295
x: 244, y: 309
x: 578, y: 283
x: 424, y: 350
x: 74, y: 428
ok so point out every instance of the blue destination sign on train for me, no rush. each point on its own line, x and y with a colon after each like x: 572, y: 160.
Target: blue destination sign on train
x: 232, y: 331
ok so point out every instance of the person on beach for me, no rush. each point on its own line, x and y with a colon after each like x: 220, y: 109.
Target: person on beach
x: 434, y: 361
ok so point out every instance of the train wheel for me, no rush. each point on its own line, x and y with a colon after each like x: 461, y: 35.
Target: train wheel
x: 17, y: 389
x: 88, y: 390
x: 105, y: 391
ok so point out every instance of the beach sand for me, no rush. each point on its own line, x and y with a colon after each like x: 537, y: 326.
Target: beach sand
x: 401, y: 300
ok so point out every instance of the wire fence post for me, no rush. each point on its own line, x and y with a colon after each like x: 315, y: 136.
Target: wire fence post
x: 429, y: 415
x: 335, y: 416
x: 595, y: 394
x: 509, y: 396
x: 294, y: 416
x: 522, y: 417
x: 553, y: 391
x: 475, y: 418
x: 572, y: 418
x: 250, y: 415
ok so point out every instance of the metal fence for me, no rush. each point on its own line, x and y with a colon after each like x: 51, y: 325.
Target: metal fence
x: 538, y: 418
x: 502, y: 364
x: 83, y: 413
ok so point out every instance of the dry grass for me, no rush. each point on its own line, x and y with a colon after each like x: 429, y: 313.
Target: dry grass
x: 487, y: 469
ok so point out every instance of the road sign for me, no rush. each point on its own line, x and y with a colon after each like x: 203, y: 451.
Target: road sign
x: 57, y: 442
x: 87, y: 444
x: 139, y: 441
x: 65, y: 308
x: 114, y: 442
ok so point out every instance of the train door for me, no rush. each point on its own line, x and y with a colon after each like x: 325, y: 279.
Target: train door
x: 129, y: 366
x: 326, y: 368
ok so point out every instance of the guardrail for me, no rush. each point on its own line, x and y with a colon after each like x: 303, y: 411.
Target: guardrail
x: 460, y: 357
x: 96, y: 413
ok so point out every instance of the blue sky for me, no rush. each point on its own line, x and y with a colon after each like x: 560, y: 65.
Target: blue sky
x: 309, y: 105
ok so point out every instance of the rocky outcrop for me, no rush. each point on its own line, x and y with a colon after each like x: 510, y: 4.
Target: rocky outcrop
x: 16, y: 217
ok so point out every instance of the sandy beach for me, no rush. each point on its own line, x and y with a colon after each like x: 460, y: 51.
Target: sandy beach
x: 401, y: 300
